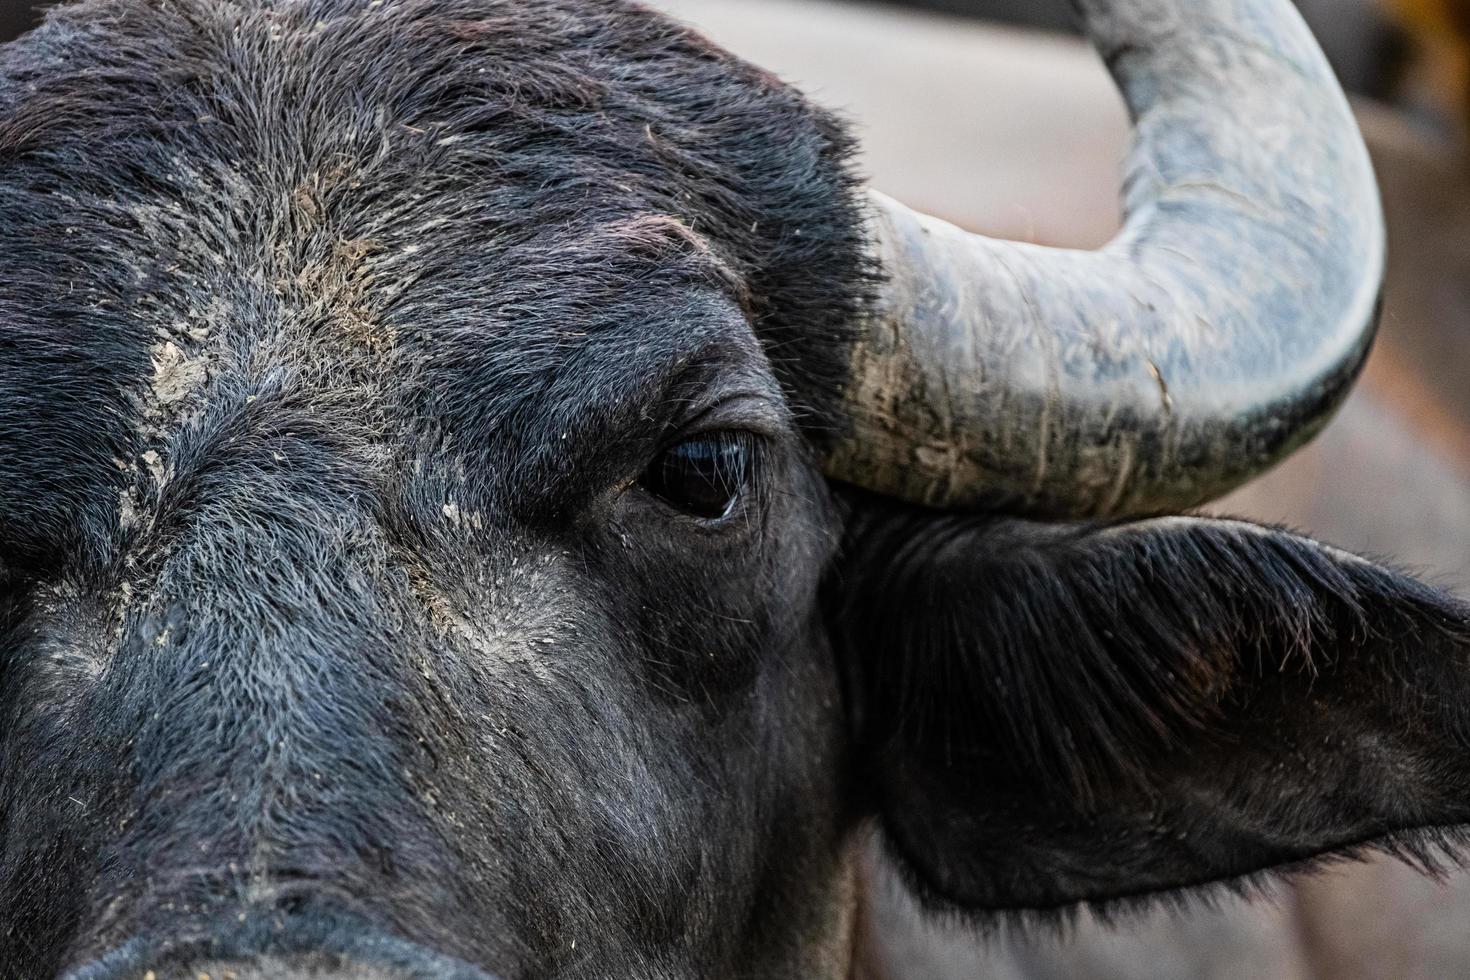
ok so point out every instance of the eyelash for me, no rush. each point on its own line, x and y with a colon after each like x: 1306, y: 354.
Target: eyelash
x: 706, y: 476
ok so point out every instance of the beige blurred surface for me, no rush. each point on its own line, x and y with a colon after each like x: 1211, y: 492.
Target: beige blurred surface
x: 1021, y: 135
x: 928, y: 92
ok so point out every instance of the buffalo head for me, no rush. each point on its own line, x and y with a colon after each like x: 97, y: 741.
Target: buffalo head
x: 484, y: 493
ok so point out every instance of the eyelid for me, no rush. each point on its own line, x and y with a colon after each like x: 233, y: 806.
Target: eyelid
x: 748, y: 411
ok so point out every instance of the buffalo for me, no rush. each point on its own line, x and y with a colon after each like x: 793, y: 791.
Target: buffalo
x: 486, y: 493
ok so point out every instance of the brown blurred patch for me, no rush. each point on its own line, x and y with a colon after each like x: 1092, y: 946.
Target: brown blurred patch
x: 1440, y: 32
x: 1419, y: 367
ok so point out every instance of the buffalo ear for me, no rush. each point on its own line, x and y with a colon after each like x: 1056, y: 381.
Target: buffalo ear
x: 1054, y: 714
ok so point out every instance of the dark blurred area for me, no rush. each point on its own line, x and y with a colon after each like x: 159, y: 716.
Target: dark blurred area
x: 16, y: 16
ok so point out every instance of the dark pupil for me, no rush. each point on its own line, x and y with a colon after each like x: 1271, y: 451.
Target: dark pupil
x: 702, y: 476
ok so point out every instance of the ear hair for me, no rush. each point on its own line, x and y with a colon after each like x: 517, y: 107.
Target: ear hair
x: 1068, y: 655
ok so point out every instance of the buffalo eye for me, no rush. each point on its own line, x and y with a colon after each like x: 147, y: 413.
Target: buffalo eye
x: 704, y: 476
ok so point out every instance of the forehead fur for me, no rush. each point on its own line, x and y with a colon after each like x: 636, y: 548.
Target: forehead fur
x: 392, y: 184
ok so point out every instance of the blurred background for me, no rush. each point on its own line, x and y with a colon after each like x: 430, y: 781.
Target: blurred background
x: 992, y: 113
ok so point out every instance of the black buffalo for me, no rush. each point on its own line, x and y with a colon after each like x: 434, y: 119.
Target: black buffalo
x: 421, y: 552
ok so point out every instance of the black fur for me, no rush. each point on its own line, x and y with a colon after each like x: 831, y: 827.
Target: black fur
x: 337, y: 631
x: 331, y: 336
x: 1099, y: 712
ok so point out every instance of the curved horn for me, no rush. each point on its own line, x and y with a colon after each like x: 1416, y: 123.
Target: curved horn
x: 1214, y: 335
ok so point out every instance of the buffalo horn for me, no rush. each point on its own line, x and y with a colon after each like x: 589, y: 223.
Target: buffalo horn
x: 1214, y: 335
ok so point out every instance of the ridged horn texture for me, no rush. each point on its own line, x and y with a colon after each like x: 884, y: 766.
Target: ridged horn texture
x: 1214, y: 335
